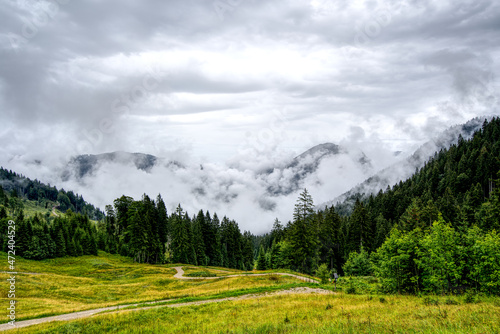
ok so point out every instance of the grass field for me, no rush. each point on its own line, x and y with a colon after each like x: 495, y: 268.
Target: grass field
x: 79, y: 283
x: 296, y: 314
x: 73, y: 284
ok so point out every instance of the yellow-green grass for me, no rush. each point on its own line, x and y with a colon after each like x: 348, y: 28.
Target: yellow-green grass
x: 33, y: 207
x: 73, y: 284
x: 222, y: 272
x: 305, y: 313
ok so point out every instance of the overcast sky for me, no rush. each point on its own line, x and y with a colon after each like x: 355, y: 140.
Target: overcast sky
x: 214, y: 76
x: 217, y: 81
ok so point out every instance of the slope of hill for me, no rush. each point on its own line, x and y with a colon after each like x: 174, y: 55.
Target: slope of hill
x: 405, y: 168
x: 18, y: 185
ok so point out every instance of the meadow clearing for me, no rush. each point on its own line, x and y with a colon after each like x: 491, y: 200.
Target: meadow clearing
x: 253, y: 304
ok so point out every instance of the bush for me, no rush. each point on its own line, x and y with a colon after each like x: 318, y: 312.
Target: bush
x: 358, y: 264
x: 470, y: 297
x: 351, y: 289
x: 323, y: 273
x: 430, y: 301
x: 451, y: 301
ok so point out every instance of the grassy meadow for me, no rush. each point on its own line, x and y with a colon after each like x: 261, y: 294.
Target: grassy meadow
x: 301, y: 313
x: 68, y: 284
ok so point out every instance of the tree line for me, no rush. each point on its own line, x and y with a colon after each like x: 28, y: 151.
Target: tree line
x: 38, y: 238
x: 145, y: 231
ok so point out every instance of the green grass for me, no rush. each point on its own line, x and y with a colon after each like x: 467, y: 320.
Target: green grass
x: 33, y: 207
x: 201, y: 273
x: 307, y: 313
x: 73, y: 284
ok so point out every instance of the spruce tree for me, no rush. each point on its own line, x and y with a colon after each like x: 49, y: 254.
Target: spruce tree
x: 60, y: 244
x: 198, y: 242
x: 162, y: 219
x: 301, y: 234
x: 360, y: 229
x: 261, y: 259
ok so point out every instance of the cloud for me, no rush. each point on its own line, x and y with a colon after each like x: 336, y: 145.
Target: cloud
x: 247, y: 88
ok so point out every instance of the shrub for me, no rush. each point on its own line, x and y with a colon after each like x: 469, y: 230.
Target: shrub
x: 470, y: 297
x: 358, y: 264
x: 430, y: 301
x: 351, y: 289
x: 451, y: 301
x: 323, y: 273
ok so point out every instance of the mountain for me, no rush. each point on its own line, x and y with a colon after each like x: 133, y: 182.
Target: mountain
x: 405, y: 168
x: 292, y: 176
x: 85, y: 165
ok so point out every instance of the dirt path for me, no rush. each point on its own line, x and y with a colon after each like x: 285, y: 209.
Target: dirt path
x: 54, y: 211
x: 180, y: 275
x: 19, y: 273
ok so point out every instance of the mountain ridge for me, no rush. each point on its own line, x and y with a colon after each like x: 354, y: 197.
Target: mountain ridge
x: 404, y: 169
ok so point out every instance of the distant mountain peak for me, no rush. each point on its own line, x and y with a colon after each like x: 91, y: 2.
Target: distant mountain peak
x: 86, y: 164
x: 317, y: 152
x: 293, y: 174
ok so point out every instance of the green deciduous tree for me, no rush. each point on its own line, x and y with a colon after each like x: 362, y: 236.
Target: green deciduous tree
x: 358, y: 264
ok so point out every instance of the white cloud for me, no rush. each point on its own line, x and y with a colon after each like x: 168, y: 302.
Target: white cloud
x: 268, y: 82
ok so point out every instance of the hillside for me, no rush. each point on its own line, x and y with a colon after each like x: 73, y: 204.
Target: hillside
x: 16, y: 186
x: 405, y: 168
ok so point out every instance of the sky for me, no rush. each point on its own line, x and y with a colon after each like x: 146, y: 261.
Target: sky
x: 238, y: 84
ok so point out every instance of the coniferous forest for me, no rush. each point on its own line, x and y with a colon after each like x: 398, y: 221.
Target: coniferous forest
x: 434, y: 232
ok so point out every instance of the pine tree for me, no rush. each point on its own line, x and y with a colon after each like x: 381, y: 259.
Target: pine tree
x: 328, y: 233
x: 248, y: 261
x: 302, y: 237
x: 198, y: 242
x: 261, y: 259
x: 304, y: 208
x: 137, y: 232
x: 182, y: 250
x: 218, y: 257
x: 122, y: 205
x: 162, y: 219
x: 60, y: 244
x: 360, y: 229
x: 277, y: 233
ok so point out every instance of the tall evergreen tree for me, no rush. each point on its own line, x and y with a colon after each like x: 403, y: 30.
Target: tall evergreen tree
x: 361, y: 229
x: 198, y: 240
x: 302, y: 237
x: 162, y: 219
